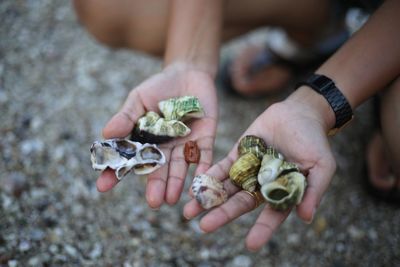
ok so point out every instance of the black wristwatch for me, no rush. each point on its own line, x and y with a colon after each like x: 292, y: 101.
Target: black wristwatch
x: 338, y: 102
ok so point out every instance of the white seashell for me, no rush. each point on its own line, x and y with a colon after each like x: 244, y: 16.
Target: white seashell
x: 286, y: 191
x: 208, y: 191
x: 269, y: 169
x: 123, y: 155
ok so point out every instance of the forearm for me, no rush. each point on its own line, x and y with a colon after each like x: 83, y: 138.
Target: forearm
x: 368, y: 62
x: 194, y: 34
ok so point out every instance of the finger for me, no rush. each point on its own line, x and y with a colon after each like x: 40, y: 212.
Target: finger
x: 106, y: 181
x: 318, y: 181
x: 205, y: 145
x: 176, y: 176
x: 157, y: 182
x: 219, y: 171
x: 239, y: 204
x: 266, y: 224
x: 121, y: 124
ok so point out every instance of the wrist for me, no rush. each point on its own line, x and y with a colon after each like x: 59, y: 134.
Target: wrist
x: 316, y: 106
x: 188, y: 65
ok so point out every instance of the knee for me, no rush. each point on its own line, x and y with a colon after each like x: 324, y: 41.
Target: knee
x: 111, y: 24
x: 100, y: 21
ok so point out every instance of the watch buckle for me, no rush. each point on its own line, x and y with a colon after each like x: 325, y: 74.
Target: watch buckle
x: 334, y: 131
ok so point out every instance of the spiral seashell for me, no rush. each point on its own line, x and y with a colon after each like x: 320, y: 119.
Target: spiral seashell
x: 270, y: 166
x: 243, y: 172
x: 253, y: 144
x: 151, y: 128
x: 285, y: 192
x: 208, y: 191
x: 181, y: 108
x: 123, y: 155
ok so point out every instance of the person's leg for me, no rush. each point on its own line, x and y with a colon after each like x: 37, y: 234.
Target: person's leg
x: 383, y: 152
x: 141, y: 25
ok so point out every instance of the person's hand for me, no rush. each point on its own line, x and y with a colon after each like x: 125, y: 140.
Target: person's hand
x: 299, y: 134
x: 166, y: 183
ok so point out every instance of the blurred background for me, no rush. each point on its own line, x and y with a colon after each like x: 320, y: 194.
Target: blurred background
x: 58, y: 88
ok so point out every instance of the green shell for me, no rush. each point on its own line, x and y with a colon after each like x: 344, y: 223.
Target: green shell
x: 151, y: 128
x: 181, y: 108
x: 285, y: 192
x: 243, y: 172
x: 253, y: 144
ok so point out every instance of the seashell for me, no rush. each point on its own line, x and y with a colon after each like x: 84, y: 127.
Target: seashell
x: 151, y: 128
x: 270, y: 166
x: 148, y: 159
x: 243, y: 172
x: 287, y: 167
x: 285, y: 192
x: 274, y: 165
x: 181, y: 108
x: 253, y: 144
x: 191, y: 152
x: 208, y: 191
x: 123, y: 155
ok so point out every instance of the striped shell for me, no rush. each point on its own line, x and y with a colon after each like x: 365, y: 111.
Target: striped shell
x: 243, y: 172
x: 181, y: 108
x: 253, y: 144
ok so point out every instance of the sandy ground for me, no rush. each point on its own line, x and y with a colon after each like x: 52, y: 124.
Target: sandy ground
x: 58, y: 87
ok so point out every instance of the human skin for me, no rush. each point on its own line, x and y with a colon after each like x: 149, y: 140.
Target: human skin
x: 190, y: 65
x: 298, y: 126
x: 360, y: 69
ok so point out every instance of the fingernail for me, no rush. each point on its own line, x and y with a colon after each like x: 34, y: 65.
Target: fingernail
x: 312, y: 217
x: 154, y: 209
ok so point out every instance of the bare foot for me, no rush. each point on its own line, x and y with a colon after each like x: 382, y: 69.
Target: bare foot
x: 249, y: 78
x: 379, y: 171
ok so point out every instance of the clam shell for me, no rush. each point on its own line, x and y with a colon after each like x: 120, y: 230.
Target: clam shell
x: 243, y: 172
x: 123, y: 155
x: 208, y: 191
x: 181, y: 108
x: 285, y: 192
x: 253, y: 144
x: 151, y: 128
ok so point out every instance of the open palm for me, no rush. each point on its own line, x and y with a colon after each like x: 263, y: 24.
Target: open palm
x: 166, y: 183
x: 299, y: 135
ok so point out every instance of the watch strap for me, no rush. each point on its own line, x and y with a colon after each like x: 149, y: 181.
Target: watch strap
x: 338, y: 102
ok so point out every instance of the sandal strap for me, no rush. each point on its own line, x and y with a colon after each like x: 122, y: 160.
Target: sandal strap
x: 282, y: 50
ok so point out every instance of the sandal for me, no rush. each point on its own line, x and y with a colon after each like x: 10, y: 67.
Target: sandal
x: 281, y: 51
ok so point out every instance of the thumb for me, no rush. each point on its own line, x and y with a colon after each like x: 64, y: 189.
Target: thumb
x: 121, y: 124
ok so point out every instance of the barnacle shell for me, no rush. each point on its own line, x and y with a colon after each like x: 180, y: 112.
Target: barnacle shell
x: 123, y: 155
x: 243, y: 172
x: 181, y: 108
x: 253, y: 144
x: 151, y: 128
x: 208, y: 191
x: 286, y: 191
x: 191, y: 152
